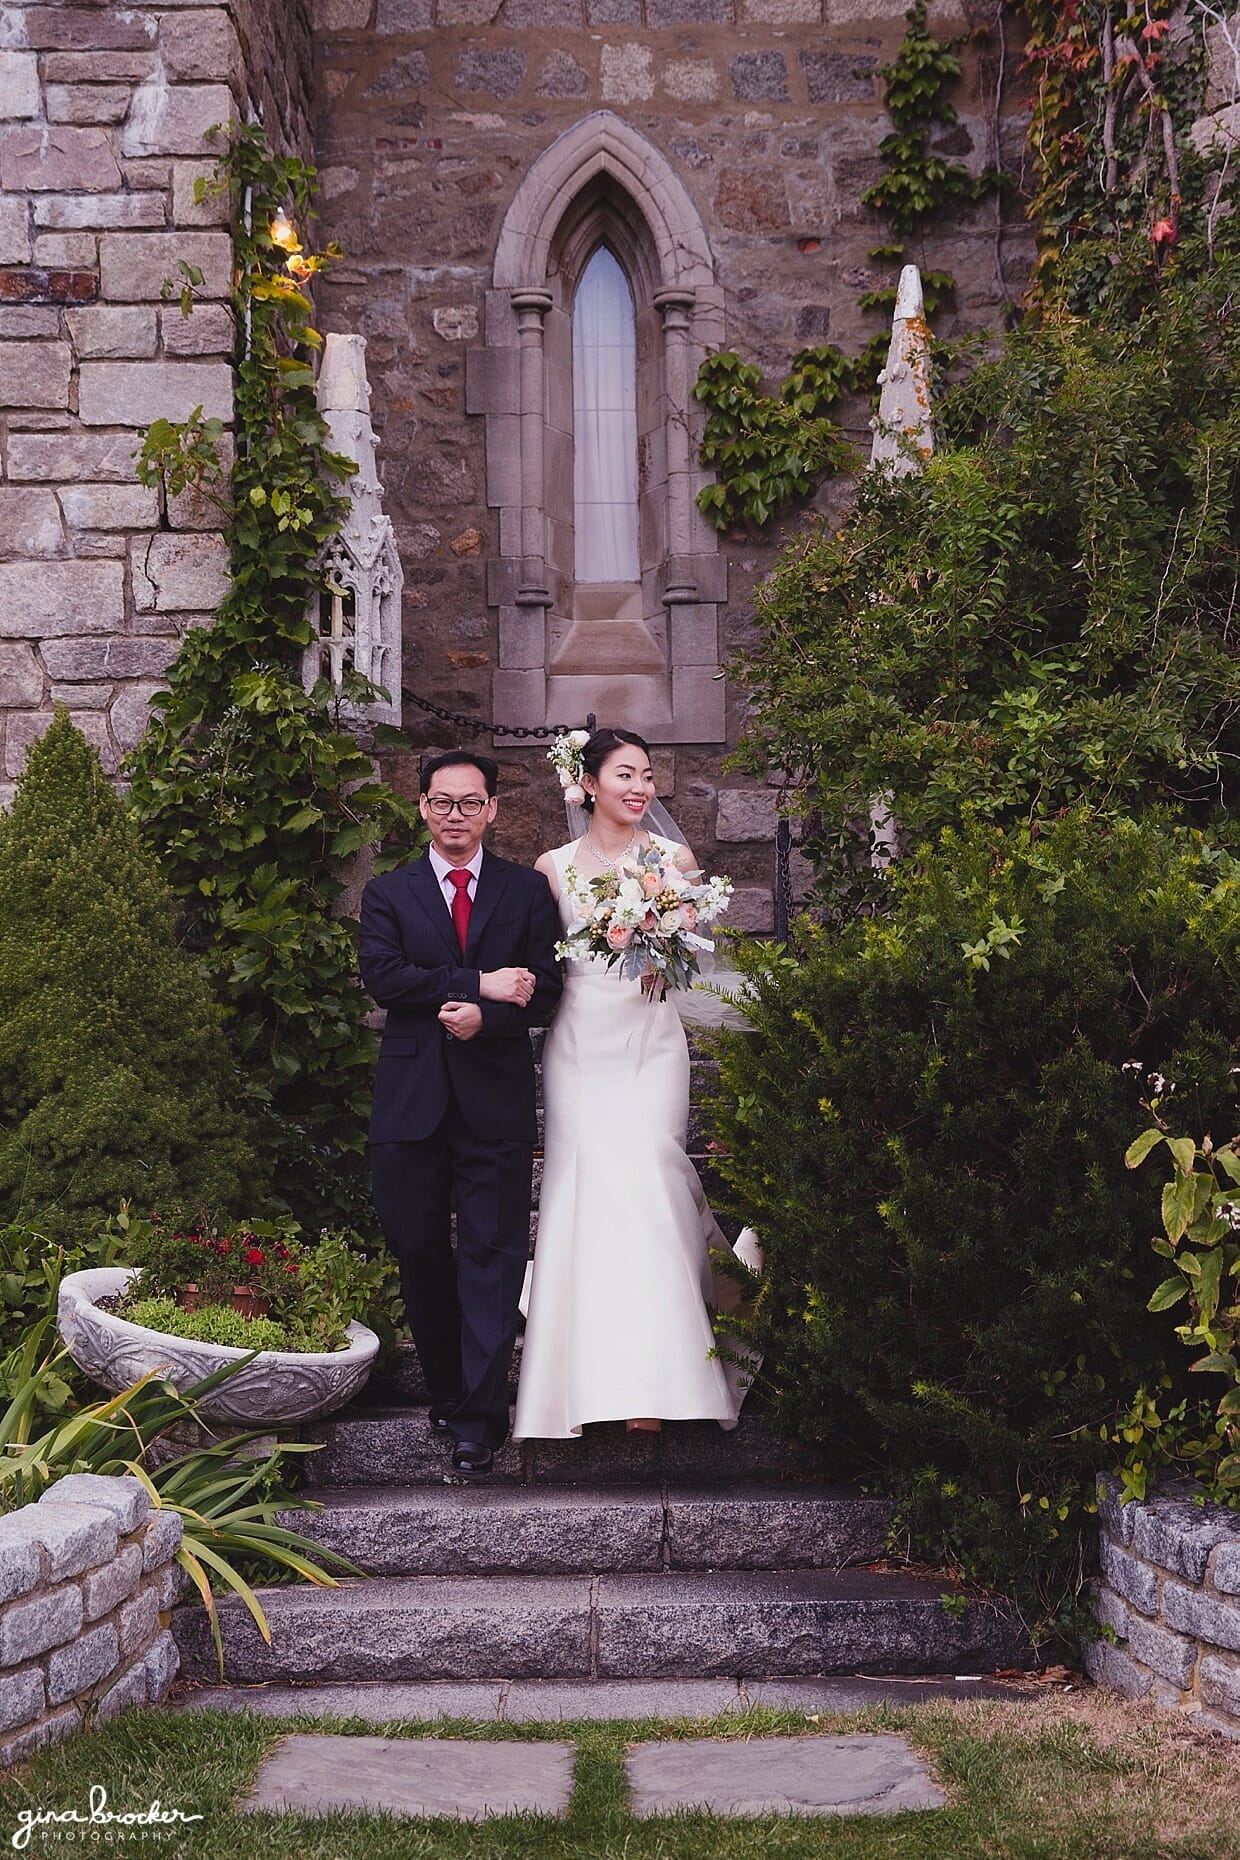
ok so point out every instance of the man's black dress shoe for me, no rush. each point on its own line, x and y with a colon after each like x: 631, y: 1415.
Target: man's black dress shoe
x: 438, y: 1420
x: 470, y: 1456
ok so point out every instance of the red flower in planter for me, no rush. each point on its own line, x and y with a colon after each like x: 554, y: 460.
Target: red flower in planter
x: 254, y: 1256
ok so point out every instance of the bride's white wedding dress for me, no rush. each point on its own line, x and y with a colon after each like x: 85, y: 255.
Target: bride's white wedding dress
x: 618, y: 1322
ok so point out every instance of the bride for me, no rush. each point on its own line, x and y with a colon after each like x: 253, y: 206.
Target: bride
x: 619, y: 1322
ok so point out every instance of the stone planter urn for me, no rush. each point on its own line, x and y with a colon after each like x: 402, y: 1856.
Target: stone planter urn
x: 277, y: 1388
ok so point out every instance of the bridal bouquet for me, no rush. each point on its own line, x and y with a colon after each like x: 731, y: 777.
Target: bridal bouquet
x: 643, y: 918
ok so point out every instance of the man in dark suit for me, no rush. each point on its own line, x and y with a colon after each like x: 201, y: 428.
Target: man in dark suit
x: 459, y: 947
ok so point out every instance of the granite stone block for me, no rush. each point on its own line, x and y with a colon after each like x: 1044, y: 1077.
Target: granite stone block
x: 1218, y: 1681
x: 123, y: 1694
x: 135, y: 393
x: 83, y: 1663
x: 1111, y: 1666
x: 161, y: 1665
x: 74, y: 1536
x: 1134, y: 1580
x: 21, y: 1697
x: 138, y: 1621
x: 161, y: 1538
x: 55, y: 159
x: 1170, y: 1655
x: 403, y: 1628
x: 496, y: 74
x: 839, y: 77
x: 1179, y: 1536
x: 1212, y: 1618
x: 35, y: 374
x: 28, y: 1628
x: 105, y: 1588
x: 759, y: 77
x: 125, y: 1497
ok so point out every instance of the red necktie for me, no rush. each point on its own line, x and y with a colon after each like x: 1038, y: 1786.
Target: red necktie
x: 460, y: 876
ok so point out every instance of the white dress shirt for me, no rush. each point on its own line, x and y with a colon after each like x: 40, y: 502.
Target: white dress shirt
x: 441, y: 868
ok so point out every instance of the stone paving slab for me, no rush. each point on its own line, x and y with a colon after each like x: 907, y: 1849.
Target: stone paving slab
x: 312, y: 1775
x: 861, y: 1775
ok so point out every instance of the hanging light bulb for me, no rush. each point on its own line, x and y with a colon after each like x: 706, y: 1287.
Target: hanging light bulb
x: 283, y: 233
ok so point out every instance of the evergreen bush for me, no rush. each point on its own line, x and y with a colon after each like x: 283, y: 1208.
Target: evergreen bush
x: 1046, y: 616
x: 115, y: 1078
x: 928, y: 1130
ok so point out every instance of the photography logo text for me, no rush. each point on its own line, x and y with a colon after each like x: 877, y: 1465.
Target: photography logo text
x: 99, y: 1824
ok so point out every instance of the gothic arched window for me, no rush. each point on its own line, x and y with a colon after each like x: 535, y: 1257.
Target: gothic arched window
x: 607, y: 577
x: 604, y: 425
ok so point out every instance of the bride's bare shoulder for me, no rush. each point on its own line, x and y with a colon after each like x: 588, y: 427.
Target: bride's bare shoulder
x: 548, y: 864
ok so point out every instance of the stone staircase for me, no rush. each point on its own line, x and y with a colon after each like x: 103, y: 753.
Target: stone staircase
x: 683, y: 1555
x: 688, y: 1554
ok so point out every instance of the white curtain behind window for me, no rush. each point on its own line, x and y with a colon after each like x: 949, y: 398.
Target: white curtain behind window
x: 605, y: 424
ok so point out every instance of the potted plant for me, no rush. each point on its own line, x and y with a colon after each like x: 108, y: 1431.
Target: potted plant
x: 201, y: 1292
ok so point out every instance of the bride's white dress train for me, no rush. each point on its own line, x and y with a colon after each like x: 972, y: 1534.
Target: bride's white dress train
x: 618, y: 1323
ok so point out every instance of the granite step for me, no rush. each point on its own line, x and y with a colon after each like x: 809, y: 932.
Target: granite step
x: 672, y: 1625
x: 564, y: 1530
x: 395, y: 1446
x: 561, y: 1701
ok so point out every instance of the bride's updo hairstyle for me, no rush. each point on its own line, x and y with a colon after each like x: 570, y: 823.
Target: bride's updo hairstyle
x: 601, y: 745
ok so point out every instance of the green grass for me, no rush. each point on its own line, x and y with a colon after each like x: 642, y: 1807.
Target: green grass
x: 1080, y: 1778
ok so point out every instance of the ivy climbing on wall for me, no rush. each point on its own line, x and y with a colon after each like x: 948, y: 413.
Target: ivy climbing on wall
x: 768, y: 450
x: 1117, y: 181
x: 919, y: 181
x: 254, y: 797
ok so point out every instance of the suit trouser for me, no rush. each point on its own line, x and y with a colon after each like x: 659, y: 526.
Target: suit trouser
x: 462, y: 1308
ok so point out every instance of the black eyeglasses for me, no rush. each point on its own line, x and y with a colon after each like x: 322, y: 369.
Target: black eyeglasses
x: 441, y: 805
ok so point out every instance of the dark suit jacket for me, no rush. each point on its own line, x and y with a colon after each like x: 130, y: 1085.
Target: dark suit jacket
x: 411, y: 964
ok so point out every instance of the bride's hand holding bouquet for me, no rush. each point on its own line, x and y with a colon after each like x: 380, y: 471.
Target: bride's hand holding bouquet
x: 643, y: 917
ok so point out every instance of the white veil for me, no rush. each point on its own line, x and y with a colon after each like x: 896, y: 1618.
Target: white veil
x: 716, y: 998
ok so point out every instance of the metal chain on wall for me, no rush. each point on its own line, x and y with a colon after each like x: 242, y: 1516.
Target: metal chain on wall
x: 481, y: 726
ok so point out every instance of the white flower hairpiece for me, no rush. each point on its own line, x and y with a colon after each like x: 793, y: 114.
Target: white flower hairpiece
x: 565, y: 754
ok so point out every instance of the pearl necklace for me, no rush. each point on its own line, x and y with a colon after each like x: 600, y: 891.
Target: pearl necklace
x: 609, y: 865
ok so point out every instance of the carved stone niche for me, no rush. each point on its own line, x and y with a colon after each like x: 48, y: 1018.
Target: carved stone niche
x: 357, y: 618
x: 643, y: 655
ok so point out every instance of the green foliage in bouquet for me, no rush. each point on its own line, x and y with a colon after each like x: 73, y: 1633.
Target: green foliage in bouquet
x: 928, y: 1130
x: 115, y: 1078
x: 1045, y: 617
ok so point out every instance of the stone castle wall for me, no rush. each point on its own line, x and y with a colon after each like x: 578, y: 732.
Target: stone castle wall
x: 423, y: 116
x: 431, y: 112
x: 103, y: 114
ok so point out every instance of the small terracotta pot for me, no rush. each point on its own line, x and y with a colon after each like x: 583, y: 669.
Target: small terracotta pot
x: 244, y: 1299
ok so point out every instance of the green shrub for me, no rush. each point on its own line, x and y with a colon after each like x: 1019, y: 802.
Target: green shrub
x: 1044, y: 617
x: 115, y: 1079
x: 208, y: 1324
x: 928, y: 1130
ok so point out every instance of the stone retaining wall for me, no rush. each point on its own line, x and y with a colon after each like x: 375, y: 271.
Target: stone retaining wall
x: 87, y: 1582
x: 1170, y: 1597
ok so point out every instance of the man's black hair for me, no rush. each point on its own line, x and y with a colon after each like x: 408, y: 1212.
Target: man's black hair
x: 461, y: 758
